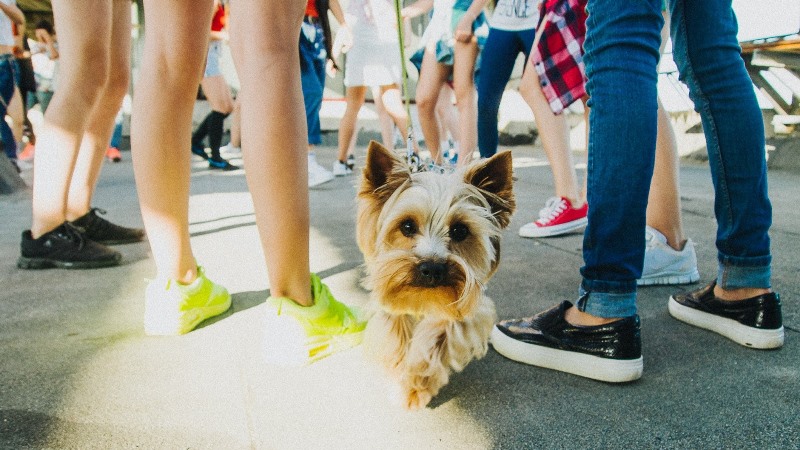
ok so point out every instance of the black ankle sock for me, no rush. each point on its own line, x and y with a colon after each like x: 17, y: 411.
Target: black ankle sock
x: 215, y: 127
x: 201, y: 131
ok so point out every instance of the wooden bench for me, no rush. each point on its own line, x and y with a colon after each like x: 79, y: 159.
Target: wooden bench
x: 774, y: 66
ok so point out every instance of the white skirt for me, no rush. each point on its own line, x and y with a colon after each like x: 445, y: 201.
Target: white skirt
x: 374, y: 59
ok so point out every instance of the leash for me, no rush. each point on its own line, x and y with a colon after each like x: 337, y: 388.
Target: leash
x: 414, y: 161
x: 413, y: 158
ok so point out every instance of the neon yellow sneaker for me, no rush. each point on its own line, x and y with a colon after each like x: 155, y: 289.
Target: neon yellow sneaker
x: 297, y: 335
x: 171, y: 308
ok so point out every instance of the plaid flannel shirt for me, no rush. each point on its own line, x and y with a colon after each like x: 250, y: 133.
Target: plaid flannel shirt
x: 558, y: 57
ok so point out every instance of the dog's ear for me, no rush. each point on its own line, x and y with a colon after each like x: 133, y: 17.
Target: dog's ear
x: 383, y: 174
x: 494, y: 177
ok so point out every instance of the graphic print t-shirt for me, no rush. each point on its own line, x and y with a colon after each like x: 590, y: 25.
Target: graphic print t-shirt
x: 515, y: 15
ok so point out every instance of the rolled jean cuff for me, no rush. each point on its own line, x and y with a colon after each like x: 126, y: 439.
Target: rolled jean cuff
x: 731, y: 275
x: 607, y: 304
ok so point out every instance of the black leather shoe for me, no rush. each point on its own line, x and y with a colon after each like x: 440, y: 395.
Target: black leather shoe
x: 221, y: 164
x: 611, y: 352
x: 754, y: 322
x: 65, y: 247
x: 104, y: 232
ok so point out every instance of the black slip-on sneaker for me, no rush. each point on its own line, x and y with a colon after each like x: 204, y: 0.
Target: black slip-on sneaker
x: 64, y: 247
x: 754, y: 322
x: 102, y: 231
x: 221, y: 164
x: 611, y: 352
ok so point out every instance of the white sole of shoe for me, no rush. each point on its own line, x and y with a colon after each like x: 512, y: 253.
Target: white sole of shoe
x: 669, y: 278
x: 581, y: 364
x: 319, y: 182
x: 731, y: 329
x: 167, y: 322
x: 556, y: 230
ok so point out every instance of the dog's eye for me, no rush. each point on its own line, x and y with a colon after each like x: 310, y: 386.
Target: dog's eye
x: 408, y: 228
x: 458, y: 232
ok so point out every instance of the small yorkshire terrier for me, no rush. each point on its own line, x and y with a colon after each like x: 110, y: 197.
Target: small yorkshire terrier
x: 431, y: 242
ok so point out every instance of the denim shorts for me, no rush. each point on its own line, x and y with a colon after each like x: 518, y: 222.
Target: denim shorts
x: 212, y: 60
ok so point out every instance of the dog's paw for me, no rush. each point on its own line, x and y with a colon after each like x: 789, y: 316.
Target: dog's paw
x: 409, y: 398
x: 416, y: 399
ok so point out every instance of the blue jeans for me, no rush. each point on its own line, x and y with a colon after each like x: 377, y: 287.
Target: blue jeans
x: 116, y: 136
x: 497, y: 61
x: 8, y: 73
x: 621, y: 55
x: 312, y: 78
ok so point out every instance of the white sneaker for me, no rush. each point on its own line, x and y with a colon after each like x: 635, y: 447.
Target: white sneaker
x: 340, y: 169
x: 317, y: 174
x: 230, y: 150
x: 665, y: 265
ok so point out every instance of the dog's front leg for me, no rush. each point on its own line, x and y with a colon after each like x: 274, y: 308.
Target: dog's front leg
x: 387, y: 339
x: 440, y: 347
x: 425, y: 369
x: 469, y: 339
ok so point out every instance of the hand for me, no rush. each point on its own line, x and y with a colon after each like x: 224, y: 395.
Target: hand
x: 42, y: 35
x: 344, y: 39
x: 409, y: 12
x: 463, y: 32
x: 330, y: 69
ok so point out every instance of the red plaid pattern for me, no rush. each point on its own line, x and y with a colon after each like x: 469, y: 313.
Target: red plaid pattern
x: 558, y: 57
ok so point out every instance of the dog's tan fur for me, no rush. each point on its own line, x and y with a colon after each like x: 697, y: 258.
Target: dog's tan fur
x: 423, y: 331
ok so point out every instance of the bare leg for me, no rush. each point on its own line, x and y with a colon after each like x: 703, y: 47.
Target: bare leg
x: 101, y: 121
x: 84, y: 48
x: 554, y: 133
x: 443, y: 107
x: 218, y: 94
x: 236, y: 115
x: 664, y: 202
x: 274, y: 138
x: 448, y: 114
x: 16, y: 110
x: 220, y: 100
x: 432, y: 77
x: 393, y: 104
x: 463, y: 72
x: 351, y: 148
x: 175, y: 48
x: 387, y: 126
x: 354, y: 98
x: 236, y: 124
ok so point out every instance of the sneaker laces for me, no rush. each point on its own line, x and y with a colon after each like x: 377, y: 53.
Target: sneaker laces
x: 74, y: 234
x: 96, y: 222
x: 553, y: 207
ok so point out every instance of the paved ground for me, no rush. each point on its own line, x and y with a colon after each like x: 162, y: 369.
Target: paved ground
x: 77, y: 371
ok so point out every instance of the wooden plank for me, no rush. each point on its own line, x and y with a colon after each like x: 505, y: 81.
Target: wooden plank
x: 776, y: 58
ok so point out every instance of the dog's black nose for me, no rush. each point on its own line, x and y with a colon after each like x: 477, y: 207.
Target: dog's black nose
x: 432, y: 273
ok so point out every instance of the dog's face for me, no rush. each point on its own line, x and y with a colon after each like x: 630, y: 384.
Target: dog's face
x: 432, y: 241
